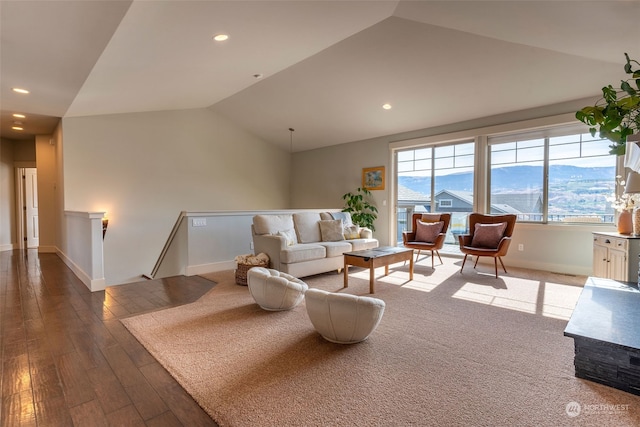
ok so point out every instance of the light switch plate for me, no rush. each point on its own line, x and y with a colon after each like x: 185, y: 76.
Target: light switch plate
x: 199, y: 222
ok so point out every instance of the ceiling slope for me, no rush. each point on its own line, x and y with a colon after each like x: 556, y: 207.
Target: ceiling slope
x: 326, y: 66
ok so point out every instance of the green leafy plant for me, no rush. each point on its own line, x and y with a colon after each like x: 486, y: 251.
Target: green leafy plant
x: 617, y: 114
x: 363, y: 213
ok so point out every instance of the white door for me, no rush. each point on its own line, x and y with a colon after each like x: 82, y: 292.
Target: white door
x: 31, y: 207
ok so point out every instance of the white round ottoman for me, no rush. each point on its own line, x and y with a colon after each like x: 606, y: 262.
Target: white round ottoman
x: 273, y: 290
x: 343, y: 318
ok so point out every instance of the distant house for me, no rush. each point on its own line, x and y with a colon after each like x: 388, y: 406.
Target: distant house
x: 408, y: 198
x: 462, y: 201
x: 520, y: 202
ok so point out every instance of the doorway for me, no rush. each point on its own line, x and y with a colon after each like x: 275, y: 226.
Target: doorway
x: 27, y: 208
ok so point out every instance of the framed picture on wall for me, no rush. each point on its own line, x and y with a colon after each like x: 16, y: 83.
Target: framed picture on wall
x: 373, y: 178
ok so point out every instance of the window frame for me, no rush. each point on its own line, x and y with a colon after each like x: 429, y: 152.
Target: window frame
x: 480, y: 135
x: 545, y: 137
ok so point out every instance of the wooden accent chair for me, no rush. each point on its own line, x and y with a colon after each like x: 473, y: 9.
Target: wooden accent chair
x: 489, y: 235
x: 429, y: 237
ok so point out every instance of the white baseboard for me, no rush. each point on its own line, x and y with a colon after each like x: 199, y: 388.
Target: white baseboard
x: 92, y: 284
x: 192, y: 270
x: 47, y: 250
x: 552, y: 268
x: 8, y: 247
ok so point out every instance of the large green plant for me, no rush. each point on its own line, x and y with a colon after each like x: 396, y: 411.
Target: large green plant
x: 617, y: 114
x: 363, y: 213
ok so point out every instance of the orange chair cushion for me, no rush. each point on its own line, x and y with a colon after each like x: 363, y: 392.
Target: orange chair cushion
x: 488, y: 235
x: 428, y: 231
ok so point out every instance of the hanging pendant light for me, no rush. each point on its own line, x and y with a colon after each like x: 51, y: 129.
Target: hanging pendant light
x: 291, y: 130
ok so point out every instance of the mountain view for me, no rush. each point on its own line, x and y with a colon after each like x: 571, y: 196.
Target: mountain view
x: 572, y: 190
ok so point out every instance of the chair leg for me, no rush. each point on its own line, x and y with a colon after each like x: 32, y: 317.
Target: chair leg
x: 502, y: 263
x: 432, y: 260
x: 438, y: 253
x: 495, y: 265
x: 477, y: 258
x: 463, y: 261
x: 417, y: 255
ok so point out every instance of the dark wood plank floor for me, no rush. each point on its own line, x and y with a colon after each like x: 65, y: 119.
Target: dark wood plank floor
x: 66, y: 358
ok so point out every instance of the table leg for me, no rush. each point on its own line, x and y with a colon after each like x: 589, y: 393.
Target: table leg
x: 372, y: 277
x: 346, y: 274
x: 411, y: 267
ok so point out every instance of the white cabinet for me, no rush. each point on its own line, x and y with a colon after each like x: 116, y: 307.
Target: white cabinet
x: 616, y: 256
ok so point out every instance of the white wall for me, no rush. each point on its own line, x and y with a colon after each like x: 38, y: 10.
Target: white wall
x: 7, y: 199
x: 320, y: 178
x: 47, y: 164
x: 143, y: 169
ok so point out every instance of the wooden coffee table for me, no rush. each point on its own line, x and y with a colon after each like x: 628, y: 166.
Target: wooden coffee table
x: 378, y: 257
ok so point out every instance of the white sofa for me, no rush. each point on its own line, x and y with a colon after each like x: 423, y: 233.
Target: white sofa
x: 306, y: 243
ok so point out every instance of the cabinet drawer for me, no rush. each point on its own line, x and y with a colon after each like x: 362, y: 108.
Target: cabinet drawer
x: 612, y: 242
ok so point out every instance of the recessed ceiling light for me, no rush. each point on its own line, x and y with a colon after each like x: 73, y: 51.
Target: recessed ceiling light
x: 386, y: 106
x: 16, y: 128
x: 221, y: 37
x: 19, y: 90
x: 19, y: 116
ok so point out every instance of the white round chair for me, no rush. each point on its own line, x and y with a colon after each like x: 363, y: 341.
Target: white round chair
x: 343, y: 318
x: 274, y: 290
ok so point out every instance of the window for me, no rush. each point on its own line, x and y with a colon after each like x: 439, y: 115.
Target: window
x: 436, y: 178
x: 552, y: 175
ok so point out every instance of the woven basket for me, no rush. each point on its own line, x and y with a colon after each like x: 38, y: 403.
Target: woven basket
x: 242, y: 269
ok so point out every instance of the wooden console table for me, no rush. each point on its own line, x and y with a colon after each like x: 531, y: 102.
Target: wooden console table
x: 605, y: 327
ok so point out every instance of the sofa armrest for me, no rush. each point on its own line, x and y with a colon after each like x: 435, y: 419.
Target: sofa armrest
x: 366, y: 233
x: 270, y: 245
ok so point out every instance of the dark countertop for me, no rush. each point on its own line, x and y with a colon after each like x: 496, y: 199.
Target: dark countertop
x: 608, y: 311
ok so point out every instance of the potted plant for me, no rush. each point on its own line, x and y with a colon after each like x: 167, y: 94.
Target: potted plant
x: 362, y: 212
x: 616, y: 115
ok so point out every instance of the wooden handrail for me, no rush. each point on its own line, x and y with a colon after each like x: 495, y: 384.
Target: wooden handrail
x: 165, y: 249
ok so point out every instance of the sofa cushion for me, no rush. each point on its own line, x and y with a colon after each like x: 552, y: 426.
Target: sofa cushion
x: 331, y: 230
x: 271, y: 224
x: 289, y: 236
x: 307, y: 227
x: 336, y: 248
x: 299, y: 253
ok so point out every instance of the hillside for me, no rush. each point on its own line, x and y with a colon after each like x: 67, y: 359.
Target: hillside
x: 514, y: 179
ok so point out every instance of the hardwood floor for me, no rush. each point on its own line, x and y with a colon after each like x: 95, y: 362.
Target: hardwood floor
x: 66, y: 358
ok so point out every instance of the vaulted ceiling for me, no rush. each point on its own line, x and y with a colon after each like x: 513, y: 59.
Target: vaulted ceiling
x: 324, y: 68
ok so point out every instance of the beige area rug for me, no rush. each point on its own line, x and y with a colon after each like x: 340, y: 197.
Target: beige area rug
x: 452, y: 349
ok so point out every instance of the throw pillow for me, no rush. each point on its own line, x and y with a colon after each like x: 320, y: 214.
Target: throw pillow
x: 351, y: 232
x: 344, y: 216
x: 428, y: 231
x: 488, y: 235
x: 289, y: 236
x: 331, y: 230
